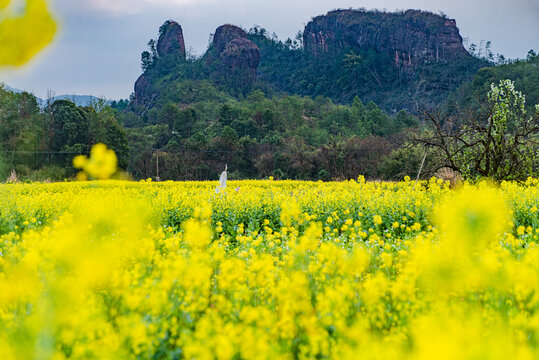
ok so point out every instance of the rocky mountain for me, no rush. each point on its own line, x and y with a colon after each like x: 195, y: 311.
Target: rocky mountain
x: 231, y: 60
x: 410, y: 38
x: 239, y: 54
x: 171, y: 48
x: 79, y: 100
x: 143, y: 90
x: 225, y: 34
x: 404, y: 60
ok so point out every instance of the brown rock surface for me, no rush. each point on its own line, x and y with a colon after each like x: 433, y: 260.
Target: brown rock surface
x: 236, y: 51
x: 171, y: 39
x: 143, y: 90
x: 241, y: 52
x: 226, y: 33
x: 411, y: 38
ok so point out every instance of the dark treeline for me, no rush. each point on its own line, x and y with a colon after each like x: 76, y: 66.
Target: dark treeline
x: 284, y: 137
x: 40, y: 144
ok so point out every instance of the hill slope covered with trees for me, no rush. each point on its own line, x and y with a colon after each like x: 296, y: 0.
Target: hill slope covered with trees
x: 337, y: 101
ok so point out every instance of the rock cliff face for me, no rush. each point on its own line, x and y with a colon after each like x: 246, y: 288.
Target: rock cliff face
x: 411, y: 38
x: 143, y: 90
x: 171, y: 40
x: 242, y: 53
x: 232, y: 55
x: 226, y: 33
x: 235, y: 50
x: 412, y: 41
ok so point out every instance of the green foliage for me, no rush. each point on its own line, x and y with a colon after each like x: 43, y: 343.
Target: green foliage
x: 70, y: 126
x: 186, y: 120
x: 119, y: 105
x: 343, y: 74
x: 497, y: 141
x: 4, y: 168
x: 260, y: 134
x: 523, y: 73
x: 302, y: 118
x: 287, y: 68
x: 46, y: 173
x: 105, y: 129
x: 22, y: 129
x: 33, y: 140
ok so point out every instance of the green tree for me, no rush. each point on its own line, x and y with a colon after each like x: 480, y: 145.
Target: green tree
x: 226, y: 114
x: 379, y: 122
x: 145, y: 60
x: 104, y: 128
x: 229, y: 138
x: 186, y: 121
x: 70, y: 127
x: 169, y: 114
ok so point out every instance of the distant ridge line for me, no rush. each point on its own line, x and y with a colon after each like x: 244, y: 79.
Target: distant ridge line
x: 79, y: 100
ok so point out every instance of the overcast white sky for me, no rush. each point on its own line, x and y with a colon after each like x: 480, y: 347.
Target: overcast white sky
x: 97, y: 50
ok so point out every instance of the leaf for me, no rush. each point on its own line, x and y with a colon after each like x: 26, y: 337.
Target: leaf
x: 22, y: 36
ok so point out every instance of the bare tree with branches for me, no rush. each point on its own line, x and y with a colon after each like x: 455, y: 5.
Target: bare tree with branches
x: 498, y: 140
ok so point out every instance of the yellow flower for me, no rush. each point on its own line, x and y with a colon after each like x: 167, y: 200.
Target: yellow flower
x: 387, y: 260
x: 24, y: 33
x: 80, y: 161
x: 101, y: 165
x: 473, y: 217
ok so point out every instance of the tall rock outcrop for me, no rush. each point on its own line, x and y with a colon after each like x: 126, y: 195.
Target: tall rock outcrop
x: 410, y: 38
x: 242, y: 53
x: 170, y: 43
x: 171, y: 40
x: 226, y: 33
x: 238, y: 53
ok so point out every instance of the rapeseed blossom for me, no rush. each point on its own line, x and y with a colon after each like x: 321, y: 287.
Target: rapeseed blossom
x: 24, y: 33
x: 101, y: 164
x: 279, y: 270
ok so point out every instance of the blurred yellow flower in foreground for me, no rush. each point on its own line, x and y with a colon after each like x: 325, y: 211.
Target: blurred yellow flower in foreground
x: 101, y: 164
x: 23, y: 36
x: 474, y: 218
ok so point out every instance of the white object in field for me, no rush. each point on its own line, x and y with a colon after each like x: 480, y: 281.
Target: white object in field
x: 222, y: 180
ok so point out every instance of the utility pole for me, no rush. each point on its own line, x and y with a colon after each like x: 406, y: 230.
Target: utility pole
x: 421, y: 167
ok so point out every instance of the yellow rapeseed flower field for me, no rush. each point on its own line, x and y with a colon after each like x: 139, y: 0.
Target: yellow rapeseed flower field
x: 269, y: 270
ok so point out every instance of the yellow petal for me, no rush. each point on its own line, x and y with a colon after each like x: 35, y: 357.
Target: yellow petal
x: 23, y: 37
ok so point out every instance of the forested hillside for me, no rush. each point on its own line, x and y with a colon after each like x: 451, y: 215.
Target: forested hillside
x: 401, y: 61
x: 523, y: 72
x: 321, y: 106
x: 337, y: 101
